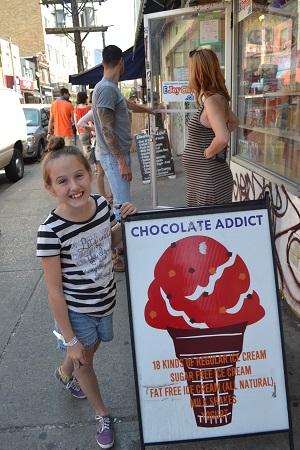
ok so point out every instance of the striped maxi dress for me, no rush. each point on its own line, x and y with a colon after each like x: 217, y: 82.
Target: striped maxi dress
x: 208, y: 181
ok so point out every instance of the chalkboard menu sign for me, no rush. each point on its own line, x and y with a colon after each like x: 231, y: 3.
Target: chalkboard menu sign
x: 164, y: 159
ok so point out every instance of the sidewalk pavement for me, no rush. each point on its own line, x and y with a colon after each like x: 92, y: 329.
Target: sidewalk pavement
x: 36, y: 414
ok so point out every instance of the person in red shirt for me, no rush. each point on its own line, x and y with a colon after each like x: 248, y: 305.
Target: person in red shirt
x: 61, y: 113
x: 79, y: 111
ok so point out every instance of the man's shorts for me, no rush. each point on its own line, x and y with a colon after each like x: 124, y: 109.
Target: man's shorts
x: 89, y: 330
x: 69, y: 140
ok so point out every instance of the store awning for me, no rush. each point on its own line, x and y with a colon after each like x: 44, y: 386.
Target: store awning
x: 134, y: 69
x: 149, y: 7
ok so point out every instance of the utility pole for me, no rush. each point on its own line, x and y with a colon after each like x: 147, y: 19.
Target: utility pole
x: 77, y: 37
x: 74, y: 7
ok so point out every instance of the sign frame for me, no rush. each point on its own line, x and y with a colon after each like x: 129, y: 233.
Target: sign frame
x: 156, y: 400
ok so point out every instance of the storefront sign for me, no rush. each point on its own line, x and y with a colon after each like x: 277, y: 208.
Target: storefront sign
x: 26, y: 84
x: 164, y: 159
x: 176, y: 91
x: 205, y: 323
x: 245, y: 9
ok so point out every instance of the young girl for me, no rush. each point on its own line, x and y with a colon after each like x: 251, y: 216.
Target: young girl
x: 75, y: 243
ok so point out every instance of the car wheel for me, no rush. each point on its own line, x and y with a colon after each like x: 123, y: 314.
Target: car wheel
x: 15, y: 169
x: 41, y: 149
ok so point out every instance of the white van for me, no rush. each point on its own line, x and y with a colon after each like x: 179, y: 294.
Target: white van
x: 13, y: 134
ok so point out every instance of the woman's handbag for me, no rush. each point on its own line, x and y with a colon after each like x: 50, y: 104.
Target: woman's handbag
x: 90, y: 154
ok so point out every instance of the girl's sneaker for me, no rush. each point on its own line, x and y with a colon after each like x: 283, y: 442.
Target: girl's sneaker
x: 72, y: 385
x: 104, y: 436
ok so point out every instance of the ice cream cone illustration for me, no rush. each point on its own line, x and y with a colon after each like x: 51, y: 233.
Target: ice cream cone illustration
x: 201, y: 294
x: 209, y: 359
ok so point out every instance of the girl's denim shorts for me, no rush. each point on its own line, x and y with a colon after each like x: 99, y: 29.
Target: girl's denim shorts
x: 89, y: 330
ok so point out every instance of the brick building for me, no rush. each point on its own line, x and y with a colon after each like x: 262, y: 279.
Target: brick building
x: 22, y: 21
x: 54, y: 54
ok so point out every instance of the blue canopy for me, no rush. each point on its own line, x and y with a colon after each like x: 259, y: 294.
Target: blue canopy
x: 134, y: 68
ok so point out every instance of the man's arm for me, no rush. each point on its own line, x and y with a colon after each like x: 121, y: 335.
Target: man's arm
x: 134, y: 107
x: 50, y: 126
x: 75, y: 121
x: 107, y: 122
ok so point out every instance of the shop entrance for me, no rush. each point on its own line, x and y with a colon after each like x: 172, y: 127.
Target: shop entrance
x: 169, y: 38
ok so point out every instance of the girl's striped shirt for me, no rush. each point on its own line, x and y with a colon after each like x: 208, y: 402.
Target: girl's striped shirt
x: 86, y: 262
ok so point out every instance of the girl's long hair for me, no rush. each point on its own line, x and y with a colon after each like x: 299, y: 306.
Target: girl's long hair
x: 205, y: 75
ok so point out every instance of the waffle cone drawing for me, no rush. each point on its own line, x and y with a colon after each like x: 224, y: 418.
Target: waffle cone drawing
x: 209, y: 359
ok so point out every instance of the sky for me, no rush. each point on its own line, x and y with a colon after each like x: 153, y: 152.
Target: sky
x: 120, y: 14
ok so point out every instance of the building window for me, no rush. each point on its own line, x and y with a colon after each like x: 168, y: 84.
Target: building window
x: 269, y: 88
x: 28, y: 73
x: 57, y: 57
x: 45, y: 76
x: 64, y: 61
x: 50, y: 52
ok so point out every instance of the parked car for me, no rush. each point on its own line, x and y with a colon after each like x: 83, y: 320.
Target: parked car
x: 37, y: 119
x: 13, y: 134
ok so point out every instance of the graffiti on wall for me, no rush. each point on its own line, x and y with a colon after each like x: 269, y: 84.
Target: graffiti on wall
x: 285, y: 214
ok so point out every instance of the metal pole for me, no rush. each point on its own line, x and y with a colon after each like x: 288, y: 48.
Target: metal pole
x: 77, y: 37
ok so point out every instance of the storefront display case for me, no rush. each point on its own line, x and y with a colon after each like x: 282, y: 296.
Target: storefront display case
x: 269, y: 90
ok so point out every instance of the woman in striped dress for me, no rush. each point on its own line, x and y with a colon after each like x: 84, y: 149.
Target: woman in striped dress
x: 208, y: 179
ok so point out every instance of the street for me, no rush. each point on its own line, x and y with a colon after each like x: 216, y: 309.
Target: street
x: 36, y: 414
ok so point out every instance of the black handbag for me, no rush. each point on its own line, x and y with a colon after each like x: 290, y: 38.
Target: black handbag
x: 221, y: 156
x: 90, y: 154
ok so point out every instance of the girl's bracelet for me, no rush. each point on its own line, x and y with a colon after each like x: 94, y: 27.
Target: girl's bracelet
x: 61, y: 338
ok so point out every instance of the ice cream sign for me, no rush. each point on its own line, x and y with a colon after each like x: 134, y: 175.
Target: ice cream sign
x: 176, y: 91
x: 205, y: 324
x: 198, y: 284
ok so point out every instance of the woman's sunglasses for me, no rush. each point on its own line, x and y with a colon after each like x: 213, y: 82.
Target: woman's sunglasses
x: 192, y: 52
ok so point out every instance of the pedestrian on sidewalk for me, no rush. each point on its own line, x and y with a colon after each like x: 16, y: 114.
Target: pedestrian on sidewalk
x: 113, y: 131
x: 208, y: 177
x: 75, y: 243
x: 87, y: 123
x: 61, y: 116
x: 81, y: 110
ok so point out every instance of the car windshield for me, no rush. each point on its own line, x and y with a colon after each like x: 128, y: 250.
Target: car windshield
x: 32, y: 117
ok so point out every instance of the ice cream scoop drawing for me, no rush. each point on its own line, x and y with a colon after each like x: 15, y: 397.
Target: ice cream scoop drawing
x: 202, y: 295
